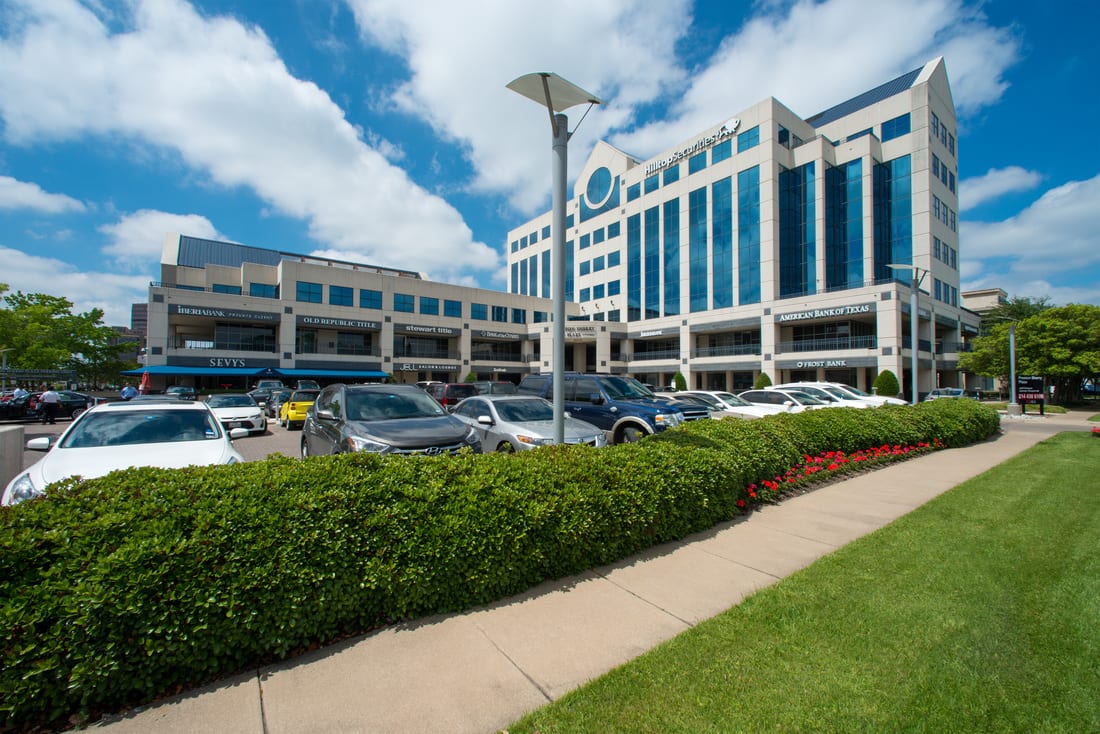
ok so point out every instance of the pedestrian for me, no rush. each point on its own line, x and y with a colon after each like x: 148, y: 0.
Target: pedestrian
x: 19, y: 393
x: 129, y: 392
x: 50, y: 401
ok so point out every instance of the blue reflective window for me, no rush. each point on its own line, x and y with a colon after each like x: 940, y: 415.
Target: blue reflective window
x: 568, y: 220
x: 232, y: 290
x: 519, y: 316
x: 652, y: 183
x: 515, y: 245
x: 339, y: 295
x: 263, y: 290
x: 533, y: 276
x: 586, y: 241
x: 479, y: 312
x: 533, y: 237
x: 892, y: 195
x: 429, y: 306
x: 523, y: 242
x: 634, y: 191
x: 597, y: 291
x: 546, y: 232
x: 500, y: 314
x: 597, y: 236
x: 523, y: 277
x: 586, y: 295
x: 513, y: 286
x: 634, y: 267
x: 370, y: 298
x: 652, y: 258
x: 672, y: 257
x: 452, y: 309
x: 613, y: 288
x: 698, y: 250
x: 586, y: 267
x: 748, y: 235
x: 569, y: 270
x: 597, y: 264
x: 599, y: 186
x: 895, y: 128
x: 546, y: 274
x: 722, y: 243
x: 748, y: 139
x: 307, y: 292
x: 614, y: 258
x: 697, y: 162
x: 613, y: 230
x: 721, y: 152
x: 404, y: 302
x: 670, y: 175
x: 797, y: 239
x: 844, y: 226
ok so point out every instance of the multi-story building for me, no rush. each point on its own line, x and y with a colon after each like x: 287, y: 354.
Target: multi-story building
x: 768, y: 243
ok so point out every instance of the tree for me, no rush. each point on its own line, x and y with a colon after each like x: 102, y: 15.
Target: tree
x: 762, y: 381
x: 471, y: 378
x: 1016, y: 309
x: 887, y: 384
x: 680, y: 381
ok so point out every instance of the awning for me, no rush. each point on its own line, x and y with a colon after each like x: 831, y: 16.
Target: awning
x: 168, y: 369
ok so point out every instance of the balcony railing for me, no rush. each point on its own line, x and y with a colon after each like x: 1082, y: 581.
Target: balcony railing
x: 211, y: 345
x: 656, y: 354
x: 450, y: 354
x: 497, y: 358
x: 346, y: 350
x: 829, y: 345
x: 727, y: 350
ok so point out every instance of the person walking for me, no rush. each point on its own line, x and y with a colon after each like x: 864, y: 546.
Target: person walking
x: 50, y: 402
x: 129, y: 392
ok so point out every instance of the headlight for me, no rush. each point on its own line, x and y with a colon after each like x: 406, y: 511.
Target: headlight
x: 471, y: 437
x: 532, y: 441
x: 233, y: 460
x: 669, y: 419
x: 358, y: 443
x: 22, y: 489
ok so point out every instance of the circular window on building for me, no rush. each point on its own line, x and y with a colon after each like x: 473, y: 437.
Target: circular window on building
x: 599, y: 186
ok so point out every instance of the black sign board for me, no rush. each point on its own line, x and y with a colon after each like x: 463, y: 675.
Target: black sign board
x: 1029, y: 390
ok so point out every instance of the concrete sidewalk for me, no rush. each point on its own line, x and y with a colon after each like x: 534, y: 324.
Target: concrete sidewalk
x: 481, y: 670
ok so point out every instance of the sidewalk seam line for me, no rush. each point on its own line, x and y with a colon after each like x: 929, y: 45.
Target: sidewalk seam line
x: 515, y: 665
x: 642, y: 599
x: 263, y: 709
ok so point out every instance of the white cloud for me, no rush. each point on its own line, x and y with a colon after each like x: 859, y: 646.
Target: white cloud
x: 1053, y: 238
x: 137, y: 239
x: 215, y: 92
x: 111, y: 292
x: 994, y: 183
x: 21, y: 195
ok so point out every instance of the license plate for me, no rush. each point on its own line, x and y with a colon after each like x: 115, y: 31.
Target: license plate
x: 236, y: 424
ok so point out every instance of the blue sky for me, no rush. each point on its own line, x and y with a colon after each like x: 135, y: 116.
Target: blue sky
x: 381, y: 131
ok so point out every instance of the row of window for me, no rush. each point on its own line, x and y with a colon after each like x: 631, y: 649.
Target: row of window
x: 530, y: 239
x: 938, y: 131
x: 945, y: 292
x: 597, y: 264
x: 597, y: 292
x: 943, y: 173
x: 944, y: 213
x: 698, y: 162
x: 945, y: 253
x: 256, y: 290
x: 407, y: 303
x: 597, y: 236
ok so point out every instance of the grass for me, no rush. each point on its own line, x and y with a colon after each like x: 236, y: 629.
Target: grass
x: 1095, y: 417
x: 1031, y: 409
x: 978, y: 612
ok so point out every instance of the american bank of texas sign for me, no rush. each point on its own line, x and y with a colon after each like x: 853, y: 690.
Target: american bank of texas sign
x: 826, y: 313
x: 726, y: 131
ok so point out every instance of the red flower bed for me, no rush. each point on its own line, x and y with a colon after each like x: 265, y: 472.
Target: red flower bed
x: 816, y: 469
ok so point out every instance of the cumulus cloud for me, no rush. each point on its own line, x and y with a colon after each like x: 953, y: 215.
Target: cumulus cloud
x: 22, y: 195
x: 1054, y: 236
x: 137, y: 239
x: 994, y: 183
x: 110, y: 292
x: 214, y: 92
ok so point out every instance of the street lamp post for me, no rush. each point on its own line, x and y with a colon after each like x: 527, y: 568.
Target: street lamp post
x: 1013, y: 406
x: 556, y: 94
x: 914, y: 323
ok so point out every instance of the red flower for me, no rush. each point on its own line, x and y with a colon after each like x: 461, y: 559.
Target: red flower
x: 741, y: 503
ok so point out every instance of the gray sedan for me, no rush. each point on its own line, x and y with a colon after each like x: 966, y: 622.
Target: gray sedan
x: 518, y: 422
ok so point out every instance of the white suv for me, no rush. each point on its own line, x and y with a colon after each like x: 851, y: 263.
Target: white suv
x: 848, y: 395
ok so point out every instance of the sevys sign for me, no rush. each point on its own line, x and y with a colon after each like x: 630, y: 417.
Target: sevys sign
x: 726, y: 131
x: 221, y: 313
x: 826, y: 313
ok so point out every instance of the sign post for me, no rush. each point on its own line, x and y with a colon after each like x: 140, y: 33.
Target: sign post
x: 1030, y: 390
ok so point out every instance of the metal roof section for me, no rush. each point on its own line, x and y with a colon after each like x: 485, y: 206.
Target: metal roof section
x: 868, y: 98
x: 196, y: 252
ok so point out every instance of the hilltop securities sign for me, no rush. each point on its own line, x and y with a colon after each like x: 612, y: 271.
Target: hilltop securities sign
x: 726, y: 131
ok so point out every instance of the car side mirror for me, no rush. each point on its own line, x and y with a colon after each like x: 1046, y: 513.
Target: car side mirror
x: 595, y: 398
x: 42, y: 443
x: 235, y: 433
x: 485, y: 420
x: 325, y: 415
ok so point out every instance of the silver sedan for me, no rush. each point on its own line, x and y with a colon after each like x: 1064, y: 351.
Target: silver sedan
x: 518, y: 422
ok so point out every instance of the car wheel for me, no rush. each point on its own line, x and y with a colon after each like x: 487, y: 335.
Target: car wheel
x: 630, y: 434
x: 506, y: 447
x: 75, y: 412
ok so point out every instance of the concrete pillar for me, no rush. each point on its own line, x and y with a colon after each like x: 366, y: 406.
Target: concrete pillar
x: 11, y: 453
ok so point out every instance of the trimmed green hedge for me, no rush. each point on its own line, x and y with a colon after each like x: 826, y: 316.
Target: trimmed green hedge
x: 118, y: 589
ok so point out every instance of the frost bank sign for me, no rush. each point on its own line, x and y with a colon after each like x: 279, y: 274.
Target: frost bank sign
x: 826, y: 313
x: 726, y: 131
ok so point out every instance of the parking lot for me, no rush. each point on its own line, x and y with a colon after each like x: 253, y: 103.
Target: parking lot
x: 275, y: 441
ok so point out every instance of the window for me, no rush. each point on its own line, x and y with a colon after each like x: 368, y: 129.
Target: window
x: 951, y: 181
x: 500, y: 313
x: 404, y: 303
x: 339, y: 295
x: 614, y: 258
x: 307, y: 292
x: 597, y: 236
x: 597, y: 264
x: 586, y: 295
x: 233, y: 290
x: 721, y: 152
x: 263, y: 290
x: 597, y: 291
x: 697, y: 162
x: 568, y: 220
x: 370, y: 298
x: 586, y: 241
x: 429, y: 306
x: 515, y: 245
x: 670, y: 175
x: 748, y: 139
x: 452, y: 309
x: 586, y: 267
x: 652, y: 183
x: 519, y: 316
x: 896, y: 127
x: 546, y: 232
x: 541, y: 317
x: 613, y: 290
x: 634, y: 191
x: 479, y: 312
x: 935, y: 166
x: 613, y: 230
x: 533, y: 237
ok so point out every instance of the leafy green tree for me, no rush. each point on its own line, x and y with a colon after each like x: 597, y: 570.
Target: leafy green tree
x: 680, y: 381
x: 762, y: 381
x: 472, y: 377
x: 887, y: 384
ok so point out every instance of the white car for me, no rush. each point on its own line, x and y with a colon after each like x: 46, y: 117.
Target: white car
x: 510, y: 423
x: 238, y: 410
x: 727, y: 404
x: 788, y: 400
x: 849, y: 393
x: 167, y: 434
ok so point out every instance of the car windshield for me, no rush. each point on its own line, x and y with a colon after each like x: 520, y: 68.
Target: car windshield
x: 304, y: 396
x: 140, y: 427
x: 854, y: 391
x: 625, y: 387
x: 837, y: 393
x: 805, y: 398
x: 231, y: 401
x: 381, y: 406
x: 520, y: 411
x: 710, y: 400
x: 732, y: 399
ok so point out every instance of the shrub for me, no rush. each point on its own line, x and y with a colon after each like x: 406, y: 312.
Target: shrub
x: 762, y: 381
x: 680, y: 381
x: 887, y: 384
x: 471, y: 377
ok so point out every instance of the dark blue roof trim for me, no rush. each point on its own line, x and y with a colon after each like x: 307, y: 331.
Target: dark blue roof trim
x: 879, y: 93
x: 167, y: 369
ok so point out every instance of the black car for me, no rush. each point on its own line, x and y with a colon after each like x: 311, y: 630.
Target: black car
x: 383, y: 419
x: 72, y: 404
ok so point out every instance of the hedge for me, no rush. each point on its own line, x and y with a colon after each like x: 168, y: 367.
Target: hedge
x: 116, y: 590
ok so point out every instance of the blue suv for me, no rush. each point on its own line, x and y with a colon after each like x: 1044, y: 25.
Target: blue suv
x: 623, y: 407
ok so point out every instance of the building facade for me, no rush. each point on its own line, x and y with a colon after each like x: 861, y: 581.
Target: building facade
x: 766, y: 244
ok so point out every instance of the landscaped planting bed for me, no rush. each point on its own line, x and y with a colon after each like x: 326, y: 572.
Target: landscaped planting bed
x: 119, y: 589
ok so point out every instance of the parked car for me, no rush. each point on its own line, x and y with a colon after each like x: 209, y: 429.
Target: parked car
x: 72, y: 405
x: 794, y: 401
x: 621, y: 406
x: 449, y: 394
x: 238, y: 410
x: 166, y: 433
x: 826, y: 394
x: 384, y: 419
x: 424, y: 384
x: 269, y: 384
x: 184, y: 391
x: 292, y: 412
x: 309, y: 385
x: 502, y: 387
x: 518, y: 422
x: 274, y: 403
x: 847, y: 392
x: 945, y: 392
x: 262, y: 395
x: 726, y: 404
x: 14, y: 408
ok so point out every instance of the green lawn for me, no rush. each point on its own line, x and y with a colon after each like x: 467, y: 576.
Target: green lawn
x: 978, y: 612
x: 1031, y: 409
